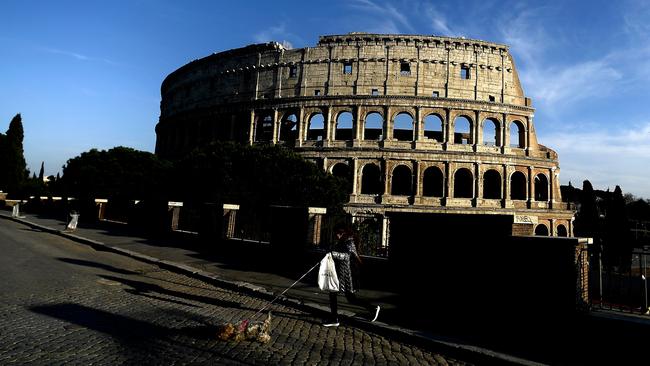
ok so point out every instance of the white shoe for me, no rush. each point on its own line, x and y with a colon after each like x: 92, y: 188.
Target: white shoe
x: 333, y: 323
x: 376, y: 313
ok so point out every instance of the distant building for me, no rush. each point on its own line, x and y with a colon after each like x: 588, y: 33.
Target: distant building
x: 419, y: 124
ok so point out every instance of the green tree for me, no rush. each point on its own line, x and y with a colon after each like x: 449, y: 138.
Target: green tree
x: 119, y: 173
x: 14, y: 167
x: 257, y: 176
x: 41, y: 173
x: 587, y: 223
x: 617, y: 243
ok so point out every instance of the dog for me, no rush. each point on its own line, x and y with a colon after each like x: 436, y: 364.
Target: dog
x: 246, y: 330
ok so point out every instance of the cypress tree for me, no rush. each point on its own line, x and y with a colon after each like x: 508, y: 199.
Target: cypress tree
x: 16, y: 168
x: 41, y: 174
x: 587, y: 218
x: 617, y: 244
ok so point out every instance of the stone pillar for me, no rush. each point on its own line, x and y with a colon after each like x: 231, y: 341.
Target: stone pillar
x: 448, y: 180
x: 551, y: 187
x: 502, y: 133
x: 101, y: 208
x: 230, y: 218
x: 507, y: 170
x: 449, y: 128
x: 388, y: 124
x: 417, y: 181
x: 478, y: 183
x: 357, y: 126
x: 477, y: 131
x: 418, y: 133
x: 301, y: 128
x: 251, y: 128
x: 355, y: 176
x: 527, y: 135
x: 553, y: 228
x: 385, y: 232
x: 531, y: 187
x: 175, y: 209
x: 276, y: 127
x: 327, y: 126
x: 387, y: 177
x: 315, y: 224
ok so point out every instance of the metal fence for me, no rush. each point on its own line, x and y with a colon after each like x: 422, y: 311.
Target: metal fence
x: 620, y: 289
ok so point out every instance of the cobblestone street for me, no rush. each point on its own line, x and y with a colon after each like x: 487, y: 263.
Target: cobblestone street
x: 66, y: 303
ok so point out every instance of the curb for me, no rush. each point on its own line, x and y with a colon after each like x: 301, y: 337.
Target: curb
x: 468, y: 353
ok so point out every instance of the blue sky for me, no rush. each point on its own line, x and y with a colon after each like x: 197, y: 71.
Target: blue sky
x: 87, y: 74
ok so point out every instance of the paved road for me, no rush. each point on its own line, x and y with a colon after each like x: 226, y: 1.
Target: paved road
x: 63, y: 302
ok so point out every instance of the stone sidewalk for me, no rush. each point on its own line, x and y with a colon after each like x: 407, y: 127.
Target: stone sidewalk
x: 251, y: 274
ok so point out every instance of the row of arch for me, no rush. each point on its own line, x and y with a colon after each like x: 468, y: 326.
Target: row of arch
x: 402, y: 182
x: 373, y: 127
x: 542, y: 230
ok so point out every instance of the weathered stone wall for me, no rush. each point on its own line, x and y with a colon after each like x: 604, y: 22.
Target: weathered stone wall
x: 269, y: 71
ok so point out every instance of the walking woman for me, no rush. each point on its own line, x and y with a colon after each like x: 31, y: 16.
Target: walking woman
x: 347, y: 262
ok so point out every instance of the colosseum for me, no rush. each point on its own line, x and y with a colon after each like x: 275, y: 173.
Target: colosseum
x: 418, y: 124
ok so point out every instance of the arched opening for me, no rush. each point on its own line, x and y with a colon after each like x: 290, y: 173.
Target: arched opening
x: 402, y: 181
x: 491, y: 132
x: 541, y: 187
x: 316, y: 129
x: 433, y: 128
x: 288, y: 128
x: 561, y: 231
x: 403, y: 127
x: 463, y: 130
x: 517, y: 135
x: 264, y: 128
x: 463, y: 183
x: 432, y: 182
x: 373, y: 127
x: 342, y: 170
x: 518, y: 186
x: 491, y: 184
x: 541, y: 230
x: 344, y: 130
x: 371, y: 180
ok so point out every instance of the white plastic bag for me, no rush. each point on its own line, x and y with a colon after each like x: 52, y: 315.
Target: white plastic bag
x: 327, y: 278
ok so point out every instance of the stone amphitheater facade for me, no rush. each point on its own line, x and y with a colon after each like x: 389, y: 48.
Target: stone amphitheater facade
x: 419, y: 124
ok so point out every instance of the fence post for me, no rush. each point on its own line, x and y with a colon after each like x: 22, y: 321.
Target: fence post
x: 101, y: 207
x: 315, y: 224
x: 600, y: 274
x: 230, y: 215
x: 175, y: 208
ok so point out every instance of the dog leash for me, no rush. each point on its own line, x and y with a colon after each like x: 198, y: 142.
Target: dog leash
x: 283, y: 292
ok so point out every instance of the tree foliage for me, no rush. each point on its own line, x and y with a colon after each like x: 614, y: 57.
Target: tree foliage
x: 587, y: 223
x: 119, y: 173
x: 257, y: 176
x: 12, y: 159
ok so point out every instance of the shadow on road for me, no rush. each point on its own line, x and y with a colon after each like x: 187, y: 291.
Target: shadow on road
x: 149, y: 288
x: 103, y: 266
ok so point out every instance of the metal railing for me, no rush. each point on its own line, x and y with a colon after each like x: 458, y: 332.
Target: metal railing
x: 620, y: 288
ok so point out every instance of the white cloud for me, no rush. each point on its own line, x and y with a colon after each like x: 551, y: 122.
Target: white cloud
x: 606, y: 158
x: 77, y: 56
x: 439, y: 23
x: 564, y: 85
x: 388, y: 18
x: 277, y: 33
